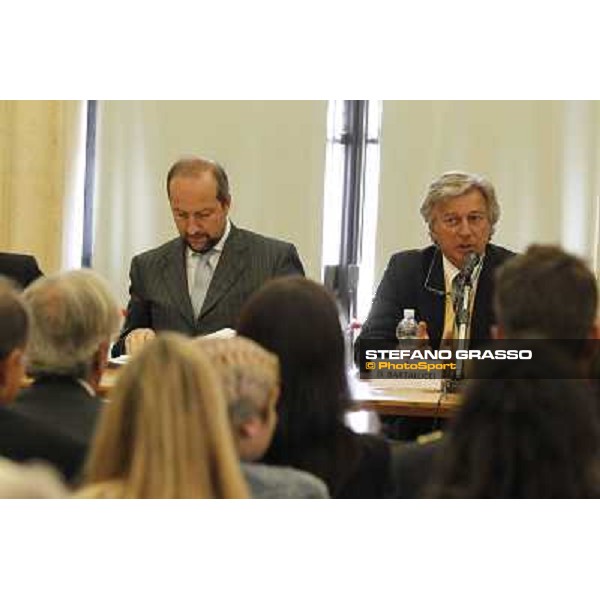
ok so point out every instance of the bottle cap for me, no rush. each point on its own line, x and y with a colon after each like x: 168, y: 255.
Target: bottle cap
x: 409, y: 313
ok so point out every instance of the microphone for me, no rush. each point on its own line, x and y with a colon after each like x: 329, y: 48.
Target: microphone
x: 471, y: 263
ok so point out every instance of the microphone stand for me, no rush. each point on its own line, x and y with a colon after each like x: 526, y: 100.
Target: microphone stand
x: 462, y: 320
x: 462, y: 301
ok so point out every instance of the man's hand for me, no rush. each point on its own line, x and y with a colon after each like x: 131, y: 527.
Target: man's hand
x: 445, y: 343
x: 422, y: 333
x: 136, y: 339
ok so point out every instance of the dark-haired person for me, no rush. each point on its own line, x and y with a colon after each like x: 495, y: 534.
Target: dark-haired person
x: 552, y: 293
x: 21, y: 439
x: 545, y: 292
x: 196, y: 283
x: 520, y: 435
x: 21, y: 268
x: 297, y: 320
x: 461, y: 212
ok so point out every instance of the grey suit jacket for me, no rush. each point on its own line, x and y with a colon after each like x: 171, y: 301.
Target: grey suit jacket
x: 159, y: 296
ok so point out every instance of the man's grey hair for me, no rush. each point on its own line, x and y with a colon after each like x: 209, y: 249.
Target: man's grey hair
x: 72, y: 313
x: 458, y: 183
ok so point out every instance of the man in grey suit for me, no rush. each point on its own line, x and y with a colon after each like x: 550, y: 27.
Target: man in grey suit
x: 197, y: 283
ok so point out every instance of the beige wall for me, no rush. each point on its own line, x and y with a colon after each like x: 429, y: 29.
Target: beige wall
x: 541, y: 156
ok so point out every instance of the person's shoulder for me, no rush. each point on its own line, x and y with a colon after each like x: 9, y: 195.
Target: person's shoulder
x: 158, y: 252
x: 17, y: 258
x: 372, y: 443
x: 16, y: 421
x: 499, y: 253
x: 258, y: 240
x: 411, y: 259
x: 267, y: 481
x: 63, y: 390
x: 413, y: 464
x: 413, y: 255
x: 23, y: 268
x: 30, y: 481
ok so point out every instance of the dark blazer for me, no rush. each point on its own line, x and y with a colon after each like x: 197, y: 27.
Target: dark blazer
x: 23, y: 439
x: 352, y: 465
x: 414, y: 467
x: 159, y: 296
x: 22, y: 268
x: 60, y: 404
x: 403, y: 286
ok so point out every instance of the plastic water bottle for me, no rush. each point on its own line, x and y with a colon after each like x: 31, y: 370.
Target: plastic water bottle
x: 407, y: 327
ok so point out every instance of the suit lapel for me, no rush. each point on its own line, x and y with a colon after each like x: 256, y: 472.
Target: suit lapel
x: 231, y: 265
x: 483, y: 314
x: 433, y: 304
x: 175, y: 277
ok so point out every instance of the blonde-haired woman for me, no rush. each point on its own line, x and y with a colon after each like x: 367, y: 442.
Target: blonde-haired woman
x: 165, y: 432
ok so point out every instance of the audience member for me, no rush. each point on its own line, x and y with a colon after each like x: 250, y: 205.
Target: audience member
x: 521, y: 435
x: 298, y: 321
x: 165, y: 432
x: 250, y: 377
x: 21, y: 439
x: 196, y: 284
x: 73, y: 317
x: 545, y: 292
x: 551, y: 293
x: 21, y: 268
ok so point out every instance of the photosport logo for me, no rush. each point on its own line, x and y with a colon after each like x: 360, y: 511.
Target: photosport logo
x: 410, y: 359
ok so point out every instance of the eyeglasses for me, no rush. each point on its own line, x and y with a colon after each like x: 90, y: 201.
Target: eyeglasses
x: 426, y: 284
x: 444, y: 293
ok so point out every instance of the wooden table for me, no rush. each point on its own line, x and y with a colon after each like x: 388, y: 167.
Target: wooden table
x: 419, y: 398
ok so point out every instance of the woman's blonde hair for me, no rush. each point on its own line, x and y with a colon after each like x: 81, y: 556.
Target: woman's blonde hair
x: 165, y: 432
x: 249, y: 374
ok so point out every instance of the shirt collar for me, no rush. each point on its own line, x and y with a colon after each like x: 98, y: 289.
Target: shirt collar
x: 451, y: 271
x: 86, y: 386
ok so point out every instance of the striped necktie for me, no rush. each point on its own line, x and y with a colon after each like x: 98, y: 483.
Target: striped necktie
x: 202, y: 277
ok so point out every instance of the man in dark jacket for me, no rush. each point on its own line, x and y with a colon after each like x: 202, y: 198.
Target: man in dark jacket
x: 73, y: 318
x: 21, y: 439
x: 461, y: 211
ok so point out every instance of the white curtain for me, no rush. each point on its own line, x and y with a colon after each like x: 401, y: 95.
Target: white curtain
x: 542, y: 157
x: 42, y: 153
x: 274, y: 153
